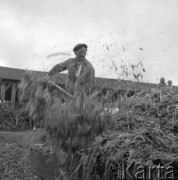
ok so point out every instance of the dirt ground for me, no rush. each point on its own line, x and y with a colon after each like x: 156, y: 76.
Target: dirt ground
x: 14, y: 154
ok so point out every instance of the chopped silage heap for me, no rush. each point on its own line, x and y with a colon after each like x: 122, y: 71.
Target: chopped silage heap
x: 140, y: 133
x: 158, y: 106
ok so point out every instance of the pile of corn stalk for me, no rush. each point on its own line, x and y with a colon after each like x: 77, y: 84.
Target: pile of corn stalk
x: 92, y: 141
x: 71, y: 124
x: 12, y: 119
x: 144, y: 134
x: 142, y: 147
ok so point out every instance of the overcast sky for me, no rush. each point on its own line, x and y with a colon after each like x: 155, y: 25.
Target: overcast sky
x: 119, y: 31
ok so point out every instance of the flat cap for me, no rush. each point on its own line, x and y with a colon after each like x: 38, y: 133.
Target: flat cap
x: 78, y: 46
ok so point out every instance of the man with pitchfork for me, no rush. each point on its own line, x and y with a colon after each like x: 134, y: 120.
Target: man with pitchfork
x: 81, y: 73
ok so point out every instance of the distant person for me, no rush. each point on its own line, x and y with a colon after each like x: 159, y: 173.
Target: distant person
x: 162, y: 83
x: 169, y: 83
x: 81, y: 73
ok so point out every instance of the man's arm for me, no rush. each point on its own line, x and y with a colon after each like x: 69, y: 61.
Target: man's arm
x: 59, y: 68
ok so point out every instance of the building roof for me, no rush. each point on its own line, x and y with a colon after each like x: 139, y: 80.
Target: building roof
x: 10, y: 73
x: 17, y: 74
x: 13, y: 73
x: 123, y: 84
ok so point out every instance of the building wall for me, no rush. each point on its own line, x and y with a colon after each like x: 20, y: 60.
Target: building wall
x: 9, y: 91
